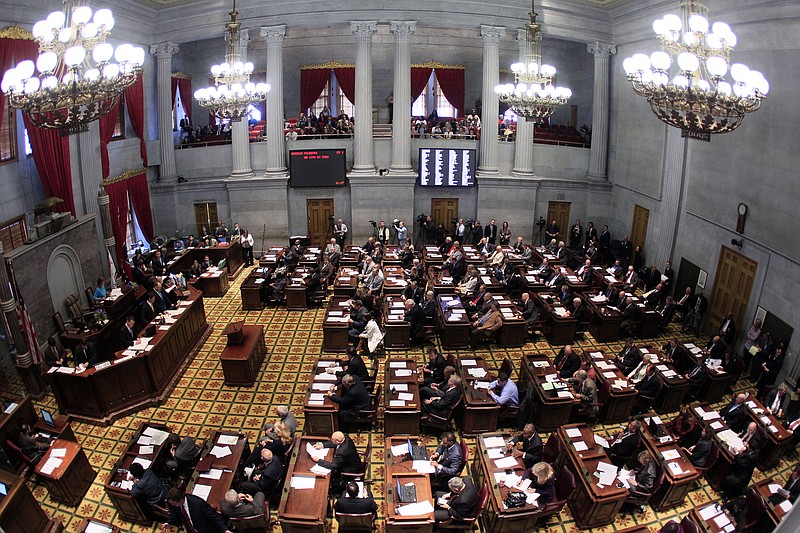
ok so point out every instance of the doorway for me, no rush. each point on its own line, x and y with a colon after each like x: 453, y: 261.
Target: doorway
x: 732, y: 285
x: 559, y: 211
x: 320, y: 211
x: 205, y: 214
x: 638, y: 236
x: 444, y: 210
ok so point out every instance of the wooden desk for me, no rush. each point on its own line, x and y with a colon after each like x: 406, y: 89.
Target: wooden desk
x: 443, y: 285
x: 136, y: 380
x: 19, y: 510
x: 351, y: 256
x: 718, y: 381
x: 453, y: 326
x: 605, y: 322
x: 230, y: 476
x: 621, y: 396
x: 321, y: 418
x: 241, y: 363
x: 345, y: 282
x: 715, y: 476
x: 271, y: 257
x: 128, y: 508
x: 672, y: 492
x: 213, y: 283
x: 591, y: 506
x: 514, y: 332
x: 431, y: 256
x: 297, y: 290
x: 69, y: 481
x: 251, y: 290
x: 486, y: 276
x: 401, y: 419
x: 539, y: 255
x: 401, y: 470
x: 531, y: 280
x: 673, y: 385
x: 559, y: 324
x: 513, y: 257
x: 231, y: 252
x: 555, y: 402
x: 480, y: 410
x: 86, y: 522
x: 573, y: 281
x: 397, y: 332
x: 106, y: 337
x: 61, y: 429
x: 775, y: 512
x: 778, y: 438
x: 710, y: 525
x: 648, y: 318
x: 334, y: 332
x: 304, y: 510
x: 484, y: 470
x: 394, y: 282
x: 11, y: 421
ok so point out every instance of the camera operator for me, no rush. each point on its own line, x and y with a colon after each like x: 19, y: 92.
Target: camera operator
x: 383, y: 233
x: 340, y: 232
x: 401, y: 231
x: 429, y: 228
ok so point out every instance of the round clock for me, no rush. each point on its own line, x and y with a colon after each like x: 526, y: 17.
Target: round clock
x: 742, y: 209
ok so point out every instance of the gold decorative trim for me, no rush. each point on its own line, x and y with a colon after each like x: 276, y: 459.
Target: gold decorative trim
x: 435, y: 65
x: 130, y: 173
x: 328, y: 65
x: 181, y: 76
x: 15, y: 32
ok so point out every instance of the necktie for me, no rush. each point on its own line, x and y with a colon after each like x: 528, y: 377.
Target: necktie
x: 485, y: 318
x: 794, y: 424
x: 776, y: 403
x: 187, y: 520
x: 683, y: 300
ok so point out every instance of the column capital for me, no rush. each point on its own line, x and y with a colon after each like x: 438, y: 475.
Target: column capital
x: 402, y: 29
x: 598, y: 48
x: 164, y: 50
x: 274, y: 34
x: 491, y: 34
x: 521, y: 36
x: 364, y: 29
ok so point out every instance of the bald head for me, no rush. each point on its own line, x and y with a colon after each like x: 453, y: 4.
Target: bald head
x: 337, y: 437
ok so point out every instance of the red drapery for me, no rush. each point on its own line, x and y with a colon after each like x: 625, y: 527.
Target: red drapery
x: 51, y: 155
x: 118, y: 205
x: 108, y: 123
x: 419, y: 79
x: 140, y: 200
x: 346, y: 78
x: 312, y: 83
x: 134, y: 100
x: 185, y: 87
x: 451, y: 80
x: 12, y: 51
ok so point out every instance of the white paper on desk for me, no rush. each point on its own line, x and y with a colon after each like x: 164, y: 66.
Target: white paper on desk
x: 94, y: 527
x: 316, y: 397
x: 477, y: 372
x: 663, y: 368
x: 655, y: 419
x: 550, y: 378
x: 773, y: 488
x: 716, y: 425
x: 675, y: 468
x: 669, y: 373
x: 481, y: 384
x: 706, y: 513
x: 397, y: 403
x: 58, y: 452
x: 785, y: 506
x: 541, y: 364
x: 47, y: 469
x: 564, y: 394
x: 765, y: 420
x: 144, y: 462
x: 573, y: 433
x: 580, y: 446
x: 494, y: 442
x: 403, y: 372
x: 722, y: 520
x: 531, y: 497
x: 397, y: 364
x: 228, y: 440
x: 710, y: 415
x: 321, y: 386
x: 214, y: 473
x: 157, y: 436
x: 405, y: 396
x: 399, y: 449
x: 324, y: 376
x: 316, y: 403
x: 596, y: 355
x: 505, y: 462
x: 495, y: 453
x: 321, y: 470
x: 126, y: 484
x: 146, y: 450
x: 303, y: 482
x: 624, y: 477
x: 220, y: 451
x: 469, y: 362
x: 423, y: 467
x: 773, y: 429
x: 400, y: 387
x: 202, y: 491
x: 751, y: 404
x: 609, y: 375
x: 415, y: 509
x: 601, y: 441
x: 620, y: 383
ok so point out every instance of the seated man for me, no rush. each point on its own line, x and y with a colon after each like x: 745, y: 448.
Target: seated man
x: 647, y: 388
x: 629, y: 358
x: 354, y: 502
x: 529, y: 311
x: 265, y: 478
x: 587, y: 392
x: 461, y: 502
x: 353, y: 399
x: 625, y: 444
x: 85, y: 355
x: 697, y: 377
x: 504, y: 392
x: 527, y: 445
x: 147, y: 488
x: 28, y: 445
x: 741, y: 472
x: 433, y: 371
x: 750, y: 435
x: 437, y: 388
x: 485, y: 326
x: 127, y: 333
x: 441, y: 405
x: 447, y: 459
x: 181, y: 453
x: 346, y: 459
x: 193, y: 513
x: 735, y: 413
x: 567, y: 362
x: 235, y: 505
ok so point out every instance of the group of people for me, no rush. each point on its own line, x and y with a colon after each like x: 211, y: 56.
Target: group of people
x: 322, y: 124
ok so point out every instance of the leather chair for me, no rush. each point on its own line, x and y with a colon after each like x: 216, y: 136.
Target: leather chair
x: 565, y: 488
x: 431, y: 420
x: 254, y: 524
x: 638, y: 497
x: 552, y: 449
x: 90, y: 297
x: 507, y: 367
x: 368, y: 417
x: 24, y: 464
x: 369, y: 384
x: 318, y: 297
x: 78, y: 315
x: 713, y: 455
x: 357, y: 476
x: 464, y: 455
x: 357, y: 523
x: 756, y: 509
x: 689, y: 526
x: 468, y: 523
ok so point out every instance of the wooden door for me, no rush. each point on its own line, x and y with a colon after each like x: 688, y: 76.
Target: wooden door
x: 732, y: 285
x: 444, y: 210
x: 205, y: 215
x: 638, y: 236
x: 559, y: 211
x: 319, y: 212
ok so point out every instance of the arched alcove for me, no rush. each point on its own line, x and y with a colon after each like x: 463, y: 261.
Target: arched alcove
x: 64, y: 277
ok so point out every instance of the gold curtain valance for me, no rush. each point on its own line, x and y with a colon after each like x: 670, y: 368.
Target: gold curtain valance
x: 181, y: 76
x: 435, y: 64
x: 130, y: 173
x: 328, y: 65
x: 15, y: 32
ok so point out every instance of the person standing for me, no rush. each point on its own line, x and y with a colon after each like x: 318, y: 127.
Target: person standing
x: 247, y: 248
x: 340, y: 232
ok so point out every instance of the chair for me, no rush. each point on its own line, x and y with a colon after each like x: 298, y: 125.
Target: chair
x: 25, y: 464
x: 259, y: 523
x: 464, y: 455
x: 468, y: 523
x: 507, y: 367
x: 361, y: 522
x: 77, y: 313
x: 711, y: 458
x: 369, y: 416
x: 90, y: 297
x: 689, y: 526
x: 431, y: 420
x: 565, y: 488
x: 356, y: 476
x: 60, y: 326
x: 552, y: 449
x: 756, y: 508
x: 318, y: 297
x: 640, y: 498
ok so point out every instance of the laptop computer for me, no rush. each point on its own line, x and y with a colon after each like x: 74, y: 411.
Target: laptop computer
x: 47, y: 417
x: 406, y: 493
x: 3, y: 491
x: 417, y: 453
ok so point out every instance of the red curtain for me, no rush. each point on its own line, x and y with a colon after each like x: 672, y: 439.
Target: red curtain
x: 140, y: 200
x: 108, y: 123
x: 134, y: 100
x: 346, y: 78
x: 51, y: 155
x: 312, y: 83
x: 185, y: 87
x: 118, y: 205
x: 12, y: 51
x: 174, y: 90
x: 451, y: 80
x: 419, y: 80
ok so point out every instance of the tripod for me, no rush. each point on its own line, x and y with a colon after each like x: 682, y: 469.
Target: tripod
x: 420, y: 235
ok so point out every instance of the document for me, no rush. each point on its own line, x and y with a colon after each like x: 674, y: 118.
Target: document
x: 220, y: 451
x: 494, y: 442
x: 403, y: 372
x: 405, y: 396
x: 397, y: 403
x: 505, y: 462
x: 423, y: 467
x: 669, y: 455
x: 321, y: 470
x: 708, y: 512
x: 607, y: 473
x: 303, y: 482
x: 316, y: 397
x: 316, y: 403
x: 716, y: 425
x: 785, y: 506
x: 495, y: 453
x: 675, y: 468
x: 144, y: 440
x: 580, y: 446
x: 321, y: 386
x: 722, y: 520
x: 574, y: 433
x: 58, y: 452
x: 94, y: 527
x: 214, y: 473
x: 228, y: 440
x: 415, y: 509
x: 469, y: 362
x: 323, y: 453
x: 601, y: 441
x: 397, y: 364
x: 146, y: 450
x: 202, y: 491
x: 399, y: 449
x: 773, y: 488
x: 144, y: 462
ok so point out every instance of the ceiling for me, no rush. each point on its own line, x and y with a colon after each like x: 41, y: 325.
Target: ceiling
x: 599, y: 3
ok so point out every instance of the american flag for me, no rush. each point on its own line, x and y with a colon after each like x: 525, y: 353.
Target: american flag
x: 26, y: 326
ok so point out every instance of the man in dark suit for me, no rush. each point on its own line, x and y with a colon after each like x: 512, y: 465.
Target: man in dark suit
x: 193, y: 513
x: 353, y: 365
x: 127, y: 333
x: 631, y: 280
x: 157, y: 264
x: 567, y: 362
x: 266, y: 477
x: 354, y: 398
x: 147, y: 488
x: 667, y: 312
x: 591, y: 233
x: 415, y: 316
x: 695, y: 311
x: 357, y: 321
x: 345, y: 456
x: 735, y: 414
x: 791, y: 490
x: 741, y: 472
x: 648, y: 387
x: 462, y: 500
x: 490, y: 232
x: 777, y: 400
x: 629, y: 358
x: 147, y: 311
x: 352, y: 503
x: 85, y: 354
x: 529, y: 311
x: 429, y: 305
x: 625, y: 444
x: 447, y: 459
x: 697, y: 377
x: 652, y: 277
x: 527, y: 445
x: 727, y: 330
x: 433, y: 371
x: 715, y: 348
x: 441, y: 405
x: 604, y: 242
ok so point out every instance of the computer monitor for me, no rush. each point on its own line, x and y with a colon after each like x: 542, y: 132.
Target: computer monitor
x: 47, y: 416
x: 410, y: 449
x: 3, y: 491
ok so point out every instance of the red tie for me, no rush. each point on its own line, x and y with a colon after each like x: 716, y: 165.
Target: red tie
x: 187, y: 521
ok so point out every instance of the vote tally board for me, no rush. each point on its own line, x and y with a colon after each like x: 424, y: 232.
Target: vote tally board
x: 447, y: 167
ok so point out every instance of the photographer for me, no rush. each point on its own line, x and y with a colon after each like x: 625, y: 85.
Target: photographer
x: 383, y: 233
x: 430, y: 230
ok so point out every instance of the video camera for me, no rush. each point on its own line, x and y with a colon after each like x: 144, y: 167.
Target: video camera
x: 422, y: 218
x: 372, y: 222
x: 541, y: 223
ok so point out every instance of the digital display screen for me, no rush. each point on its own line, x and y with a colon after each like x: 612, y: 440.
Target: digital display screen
x: 447, y: 167
x: 318, y: 168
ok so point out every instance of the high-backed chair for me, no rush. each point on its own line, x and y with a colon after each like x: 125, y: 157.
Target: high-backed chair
x: 711, y: 458
x: 552, y: 449
x: 24, y: 464
x: 431, y: 420
x: 756, y: 509
x: 253, y: 524
x: 639, y: 497
x: 689, y: 526
x: 565, y: 488
x: 355, y: 476
x: 368, y: 417
x: 357, y: 523
x: 468, y: 523
x: 76, y: 312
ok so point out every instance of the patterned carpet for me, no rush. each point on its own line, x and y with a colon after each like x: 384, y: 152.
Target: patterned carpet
x: 201, y: 403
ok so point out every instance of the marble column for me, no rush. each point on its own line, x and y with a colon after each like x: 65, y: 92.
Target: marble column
x: 599, y: 150
x: 276, y: 143
x: 523, y: 148
x: 91, y: 168
x: 364, y: 157
x: 490, y: 35
x: 240, y: 134
x: 670, y: 208
x: 401, y: 117
x: 164, y: 53
x: 104, y: 207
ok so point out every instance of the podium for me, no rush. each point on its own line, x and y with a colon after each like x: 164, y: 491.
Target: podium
x: 242, y: 357
x: 70, y: 480
x: 19, y: 510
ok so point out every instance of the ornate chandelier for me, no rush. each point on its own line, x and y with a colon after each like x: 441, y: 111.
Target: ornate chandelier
x: 533, y: 96
x: 696, y: 97
x: 233, y: 91
x: 77, y: 82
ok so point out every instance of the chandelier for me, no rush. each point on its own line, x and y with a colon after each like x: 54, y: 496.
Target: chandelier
x: 233, y: 91
x: 533, y: 94
x: 696, y: 97
x: 77, y: 81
